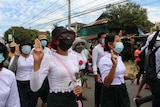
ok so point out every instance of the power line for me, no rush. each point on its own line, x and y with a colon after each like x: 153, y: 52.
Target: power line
x: 40, y: 12
x: 80, y: 13
x: 54, y: 11
x: 47, y: 13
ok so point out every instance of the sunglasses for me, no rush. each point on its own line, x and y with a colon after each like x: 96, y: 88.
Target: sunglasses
x: 67, y: 36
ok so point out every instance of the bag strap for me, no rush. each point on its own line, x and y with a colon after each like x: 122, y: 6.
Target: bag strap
x: 64, y: 65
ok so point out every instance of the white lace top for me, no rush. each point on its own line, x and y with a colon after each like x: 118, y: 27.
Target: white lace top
x: 58, y: 76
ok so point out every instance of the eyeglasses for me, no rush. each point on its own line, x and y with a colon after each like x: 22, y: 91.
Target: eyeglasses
x: 67, y: 36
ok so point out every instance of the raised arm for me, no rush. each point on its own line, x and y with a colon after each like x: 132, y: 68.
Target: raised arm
x: 37, y: 55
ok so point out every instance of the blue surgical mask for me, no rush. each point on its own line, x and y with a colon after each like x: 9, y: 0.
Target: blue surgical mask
x: 157, y: 43
x: 44, y: 43
x: 1, y: 57
x: 26, y: 49
x: 103, y: 41
x: 118, y: 47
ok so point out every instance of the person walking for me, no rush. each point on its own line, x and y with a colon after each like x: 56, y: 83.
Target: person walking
x: 9, y: 96
x: 97, y: 53
x: 153, y: 45
x: 60, y: 67
x: 112, y: 69
x: 44, y: 90
x: 22, y: 64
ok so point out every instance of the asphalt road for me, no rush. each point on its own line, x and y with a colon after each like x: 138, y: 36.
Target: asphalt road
x: 132, y: 88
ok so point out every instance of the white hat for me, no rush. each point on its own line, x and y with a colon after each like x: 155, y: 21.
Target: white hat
x: 78, y: 41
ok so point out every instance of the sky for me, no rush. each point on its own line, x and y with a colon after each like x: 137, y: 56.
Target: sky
x: 43, y: 14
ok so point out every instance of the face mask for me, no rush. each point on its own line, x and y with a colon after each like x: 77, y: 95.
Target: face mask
x: 1, y: 57
x: 26, y: 49
x: 80, y: 48
x: 157, y: 43
x: 103, y: 41
x: 65, y: 44
x: 118, y: 47
x: 44, y: 43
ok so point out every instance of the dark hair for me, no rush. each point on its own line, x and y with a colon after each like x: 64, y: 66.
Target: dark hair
x: 3, y: 49
x: 109, y: 38
x: 25, y: 42
x: 58, y: 31
x: 100, y: 34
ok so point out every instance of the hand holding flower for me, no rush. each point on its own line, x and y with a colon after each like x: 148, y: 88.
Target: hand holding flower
x: 77, y: 90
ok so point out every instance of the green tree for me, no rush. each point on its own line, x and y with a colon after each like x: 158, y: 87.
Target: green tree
x: 20, y: 33
x: 129, y: 14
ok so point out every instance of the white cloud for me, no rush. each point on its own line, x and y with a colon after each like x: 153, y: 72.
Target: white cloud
x: 22, y: 12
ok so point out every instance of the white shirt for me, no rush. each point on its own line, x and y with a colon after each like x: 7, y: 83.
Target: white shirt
x: 105, y: 66
x: 45, y: 50
x: 97, y: 53
x: 24, y: 68
x: 9, y: 96
x: 58, y: 75
x: 81, y: 56
x: 157, y: 58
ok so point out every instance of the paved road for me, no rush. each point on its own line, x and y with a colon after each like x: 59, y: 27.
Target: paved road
x: 132, y: 88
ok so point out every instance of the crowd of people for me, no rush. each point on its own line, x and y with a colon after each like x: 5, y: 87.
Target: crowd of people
x: 57, y: 76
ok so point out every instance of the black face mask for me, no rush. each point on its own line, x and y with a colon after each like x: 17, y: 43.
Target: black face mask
x: 65, y: 44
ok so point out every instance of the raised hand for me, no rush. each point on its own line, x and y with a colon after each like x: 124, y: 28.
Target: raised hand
x: 37, y: 54
x: 158, y: 26
x: 113, y: 58
x: 17, y: 52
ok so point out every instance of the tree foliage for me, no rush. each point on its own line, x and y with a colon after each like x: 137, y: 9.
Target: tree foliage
x: 20, y: 33
x: 129, y: 14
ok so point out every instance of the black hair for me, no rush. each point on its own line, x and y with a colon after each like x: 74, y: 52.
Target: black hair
x: 4, y: 50
x: 109, y: 38
x: 100, y: 34
x: 25, y: 42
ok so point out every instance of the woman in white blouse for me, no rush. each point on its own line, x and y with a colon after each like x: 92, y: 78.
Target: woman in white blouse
x: 112, y: 69
x: 60, y: 67
x: 22, y: 65
x: 9, y: 96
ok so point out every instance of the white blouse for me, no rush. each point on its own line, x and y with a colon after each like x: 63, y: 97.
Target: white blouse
x: 81, y: 56
x: 58, y: 75
x: 9, y: 96
x: 105, y: 66
x: 24, y: 67
x: 97, y: 53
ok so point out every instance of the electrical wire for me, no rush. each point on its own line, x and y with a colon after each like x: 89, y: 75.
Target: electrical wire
x: 80, y: 13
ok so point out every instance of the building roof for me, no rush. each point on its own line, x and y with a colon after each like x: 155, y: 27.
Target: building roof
x: 100, y: 21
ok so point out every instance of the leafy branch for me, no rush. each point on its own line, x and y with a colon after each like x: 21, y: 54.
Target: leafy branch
x: 79, y: 77
x: 133, y: 67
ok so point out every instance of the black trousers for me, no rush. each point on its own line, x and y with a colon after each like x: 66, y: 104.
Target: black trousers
x: 44, y: 91
x: 155, y: 89
x: 97, y: 92
x: 144, y: 99
x: 28, y: 98
x: 61, y: 100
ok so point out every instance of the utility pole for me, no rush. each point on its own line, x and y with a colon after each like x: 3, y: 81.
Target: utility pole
x: 69, y: 14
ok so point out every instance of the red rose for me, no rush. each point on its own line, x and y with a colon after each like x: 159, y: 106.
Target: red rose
x: 80, y: 62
